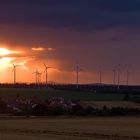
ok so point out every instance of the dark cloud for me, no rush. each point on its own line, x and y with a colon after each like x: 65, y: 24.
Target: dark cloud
x: 119, y: 5
x: 77, y: 15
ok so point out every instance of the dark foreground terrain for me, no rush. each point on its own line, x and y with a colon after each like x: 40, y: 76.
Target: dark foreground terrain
x: 77, y: 128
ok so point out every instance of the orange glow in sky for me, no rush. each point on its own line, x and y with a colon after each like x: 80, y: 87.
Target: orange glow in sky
x: 5, y: 58
x: 4, y: 51
x: 5, y: 62
x: 30, y: 60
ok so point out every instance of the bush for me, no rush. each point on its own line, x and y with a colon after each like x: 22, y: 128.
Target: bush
x: 39, y: 110
x: 55, y: 111
x: 3, y: 106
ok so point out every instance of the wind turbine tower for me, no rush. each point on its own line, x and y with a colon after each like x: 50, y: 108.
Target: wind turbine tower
x: 46, y: 71
x: 36, y: 77
x: 39, y: 77
x: 119, y: 77
x: 14, y: 72
x: 127, y: 76
x: 114, y: 76
x: 77, y: 75
x: 100, y: 75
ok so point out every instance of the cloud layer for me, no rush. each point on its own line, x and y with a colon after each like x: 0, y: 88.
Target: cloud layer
x: 77, y: 15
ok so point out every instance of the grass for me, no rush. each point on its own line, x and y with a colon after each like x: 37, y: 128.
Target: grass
x: 75, y: 95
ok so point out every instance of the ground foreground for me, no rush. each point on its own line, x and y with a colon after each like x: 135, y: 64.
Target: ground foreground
x: 77, y: 128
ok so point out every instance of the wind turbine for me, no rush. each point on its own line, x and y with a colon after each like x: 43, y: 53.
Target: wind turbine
x: 14, y: 71
x: 100, y: 75
x: 127, y: 76
x: 39, y: 77
x: 77, y: 75
x: 114, y: 76
x: 118, y: 76
x: 46, y: 71
x: 36, y: 77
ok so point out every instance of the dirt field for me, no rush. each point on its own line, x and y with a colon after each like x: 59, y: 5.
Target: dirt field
x: 101, y: 128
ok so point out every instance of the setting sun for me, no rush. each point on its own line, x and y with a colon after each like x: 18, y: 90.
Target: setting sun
x: 4, y: 51
x: 5, y: 62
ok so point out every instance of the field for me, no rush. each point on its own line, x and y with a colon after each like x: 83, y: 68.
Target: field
x: 76, y: 95
x: 101, y: 128
x: 71, y: 128
x: 97, y: 100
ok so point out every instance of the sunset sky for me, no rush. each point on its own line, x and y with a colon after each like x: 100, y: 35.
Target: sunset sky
x: 96, y: 33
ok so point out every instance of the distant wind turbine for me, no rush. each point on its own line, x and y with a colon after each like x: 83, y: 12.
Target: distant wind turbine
x: 14, y: 72
x: 118, y: 76
x: 114, y: 76
x: 77, y: 74
x: 127, y: 76
x: 39, y: 77
x: 46, y: 71
x: 100, y: 75
x: 36, y: 77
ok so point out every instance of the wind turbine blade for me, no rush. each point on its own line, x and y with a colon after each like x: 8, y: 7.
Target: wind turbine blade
x: 45, y: 65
